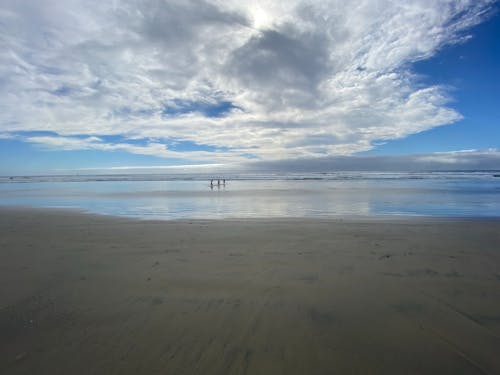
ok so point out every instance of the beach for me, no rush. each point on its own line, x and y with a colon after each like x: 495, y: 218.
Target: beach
x: 94, y: 294
x: 269, y: 196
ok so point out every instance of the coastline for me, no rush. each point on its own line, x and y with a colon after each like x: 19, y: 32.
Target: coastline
x: 86, y: 293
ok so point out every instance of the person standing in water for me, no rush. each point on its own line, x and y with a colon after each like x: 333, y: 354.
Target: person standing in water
x: 219, y: 182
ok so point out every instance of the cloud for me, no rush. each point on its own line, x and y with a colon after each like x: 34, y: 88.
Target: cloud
x: 284, y: 65
x: 441, y: 161
x: 149, y: 148
x: 462, y: 160
x: 266, y: 80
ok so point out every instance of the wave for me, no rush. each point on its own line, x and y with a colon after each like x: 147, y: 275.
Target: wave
x: 453, y: 175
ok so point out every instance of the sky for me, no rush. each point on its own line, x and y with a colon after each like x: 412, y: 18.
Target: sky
x: 152, y: 85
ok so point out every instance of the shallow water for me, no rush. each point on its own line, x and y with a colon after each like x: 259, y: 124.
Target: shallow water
x: 310, y: 195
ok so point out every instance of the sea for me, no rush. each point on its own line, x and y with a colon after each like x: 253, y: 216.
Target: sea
x: 269, y: 195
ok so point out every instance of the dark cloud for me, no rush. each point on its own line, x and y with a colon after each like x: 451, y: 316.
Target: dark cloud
x: 461, y: 160
x: 282, y: 62
x: 181, y: 24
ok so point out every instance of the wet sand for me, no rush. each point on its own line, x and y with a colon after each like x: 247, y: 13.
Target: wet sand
x: 86, y: 294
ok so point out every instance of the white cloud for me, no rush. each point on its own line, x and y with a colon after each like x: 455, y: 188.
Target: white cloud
x: 460, y: 157
x: 151, y: 148
x: 305, y: 79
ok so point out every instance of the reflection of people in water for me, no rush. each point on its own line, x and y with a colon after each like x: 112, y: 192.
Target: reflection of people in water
x: 220, y: 182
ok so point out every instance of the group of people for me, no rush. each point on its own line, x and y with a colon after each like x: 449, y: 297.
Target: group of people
x: 218, y: 182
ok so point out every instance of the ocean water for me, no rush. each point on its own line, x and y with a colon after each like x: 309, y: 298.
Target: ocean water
x: 448, y: 194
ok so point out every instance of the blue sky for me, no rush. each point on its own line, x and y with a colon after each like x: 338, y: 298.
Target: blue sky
x: 204, y: 83
x: 472, y: 70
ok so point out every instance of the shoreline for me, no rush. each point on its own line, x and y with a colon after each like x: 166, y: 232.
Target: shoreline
x: 272, y: 219
x: 88, y: 293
